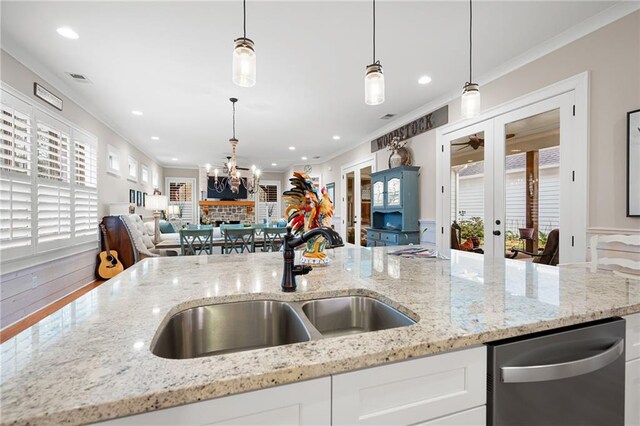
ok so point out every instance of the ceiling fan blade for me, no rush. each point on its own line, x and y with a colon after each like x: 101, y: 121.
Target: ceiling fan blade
x: 461, y: 143
x: 510, y: 135
x: 464, y: 147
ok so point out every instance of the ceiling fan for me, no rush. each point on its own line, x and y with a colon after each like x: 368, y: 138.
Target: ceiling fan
x: 475, y: 142
x: 225, y: 166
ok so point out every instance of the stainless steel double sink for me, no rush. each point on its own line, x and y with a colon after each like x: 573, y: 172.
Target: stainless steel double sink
x: 242, y: 326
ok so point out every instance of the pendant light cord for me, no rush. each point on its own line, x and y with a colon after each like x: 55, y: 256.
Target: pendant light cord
x: 470, y: 40
x: 244, y: 15
x: 374, y: 32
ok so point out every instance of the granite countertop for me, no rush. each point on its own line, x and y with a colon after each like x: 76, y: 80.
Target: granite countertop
x: 91, y: 360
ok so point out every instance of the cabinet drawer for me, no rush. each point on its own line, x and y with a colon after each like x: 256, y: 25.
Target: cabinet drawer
x: 633, y: 336
x: 413, y: 391
x: 373, y: 235
x: 474, y: 417
x: 390, y: 238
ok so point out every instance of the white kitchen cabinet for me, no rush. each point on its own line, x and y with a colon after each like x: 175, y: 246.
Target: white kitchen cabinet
x: 474, y: 417
x: 632, y: 393
x: 411, y: 392
x: 303, y: 403
x: 632, y: 379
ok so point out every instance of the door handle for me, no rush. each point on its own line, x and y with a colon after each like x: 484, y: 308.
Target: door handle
x: 496, y: 233
x: 563, y: 370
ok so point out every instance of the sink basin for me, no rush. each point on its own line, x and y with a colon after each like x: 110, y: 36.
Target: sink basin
x: 352, y: 314
x: 229, y: 327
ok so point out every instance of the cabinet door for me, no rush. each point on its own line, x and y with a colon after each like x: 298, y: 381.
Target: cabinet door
x: 632, y: 393
x: 303, y: 403
x: 410, y: 392
x: 378, y: 192
x: 394, y: 191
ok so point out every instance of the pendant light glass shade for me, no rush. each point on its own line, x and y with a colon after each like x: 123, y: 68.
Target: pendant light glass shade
x: 374, y: 85
x: 470, y: 102
x: 244, y: 63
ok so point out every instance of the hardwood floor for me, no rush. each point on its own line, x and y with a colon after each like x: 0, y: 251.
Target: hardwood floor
x: 37, y: 316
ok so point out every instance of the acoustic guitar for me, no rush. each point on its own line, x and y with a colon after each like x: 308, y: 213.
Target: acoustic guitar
x: 108, y: 264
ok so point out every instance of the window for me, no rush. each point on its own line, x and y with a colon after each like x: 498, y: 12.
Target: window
x: 132, y: 174
x: 154, y: 179
x: 48, y: 182
x: 113, y: 160
x: 182, y: 194
x: 144, y: 173
x: 268, y: 205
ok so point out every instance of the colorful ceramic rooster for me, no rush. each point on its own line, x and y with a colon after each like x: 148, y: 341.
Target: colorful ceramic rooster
x: 308, y: 208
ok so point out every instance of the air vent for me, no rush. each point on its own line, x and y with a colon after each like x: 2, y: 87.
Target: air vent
x: 317, y: 157
x: 78, y: 77
x: 387, y: 116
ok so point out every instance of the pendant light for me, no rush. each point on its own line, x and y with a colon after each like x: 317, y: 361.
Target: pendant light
x: 244, y: 56
x: 470, y: 101
x: 374, y: 78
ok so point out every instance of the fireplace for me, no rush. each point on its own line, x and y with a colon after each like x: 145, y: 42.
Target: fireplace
x: 216, y: 212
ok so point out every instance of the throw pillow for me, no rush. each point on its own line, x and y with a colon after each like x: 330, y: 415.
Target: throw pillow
x: 166, y: 227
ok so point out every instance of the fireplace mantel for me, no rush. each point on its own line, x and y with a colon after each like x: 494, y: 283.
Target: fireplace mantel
x: 232, y: 203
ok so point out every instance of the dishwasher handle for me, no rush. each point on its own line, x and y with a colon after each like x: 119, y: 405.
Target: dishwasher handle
x: 563, y: 370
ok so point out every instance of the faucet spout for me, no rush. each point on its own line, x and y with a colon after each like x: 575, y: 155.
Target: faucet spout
x: 291, y: 242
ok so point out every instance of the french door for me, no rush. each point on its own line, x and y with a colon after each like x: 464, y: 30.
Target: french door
x: 510, y: 180
x: 356, y: 202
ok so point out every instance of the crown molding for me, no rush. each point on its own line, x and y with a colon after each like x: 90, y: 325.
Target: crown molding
x: 35, y: 66
x: 592, y: 24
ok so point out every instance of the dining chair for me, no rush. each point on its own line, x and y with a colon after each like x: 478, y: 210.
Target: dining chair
x: 239, y: 240
x: 273, y: 238
x: 196, y: 241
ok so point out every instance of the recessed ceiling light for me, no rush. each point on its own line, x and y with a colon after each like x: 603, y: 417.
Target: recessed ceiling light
x: 516, y: 150
x: 136, y: 112
x: 303, y: 158
x: 174, y: 159
x: 425, y: 79
x: 155, y: 138
x: 273, y: 164
x: 292, y: 148
x: 469, y: 161
x: 67, y: 32
x: 336, y: 137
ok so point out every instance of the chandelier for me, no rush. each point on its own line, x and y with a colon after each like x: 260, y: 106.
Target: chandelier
x: 232, y: 171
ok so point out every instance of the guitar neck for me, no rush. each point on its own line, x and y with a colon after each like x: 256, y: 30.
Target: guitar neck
x: 103, y: 229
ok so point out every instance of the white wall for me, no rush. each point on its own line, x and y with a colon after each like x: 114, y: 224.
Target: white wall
x: 612, y: 57
x: 26, y: 289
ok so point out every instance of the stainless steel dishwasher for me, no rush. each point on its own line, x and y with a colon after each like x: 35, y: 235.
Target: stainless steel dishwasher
x: 569, y: 376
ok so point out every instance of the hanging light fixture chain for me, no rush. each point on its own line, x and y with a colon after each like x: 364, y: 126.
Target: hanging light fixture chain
x: 234, y: 119
x: 470, y: 40
x: 244, y: 18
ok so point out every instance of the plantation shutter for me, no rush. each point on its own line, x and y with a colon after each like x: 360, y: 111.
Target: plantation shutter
x: 182, y: 194
x: 85, y: 154
x: 16, y: 155
x: 268, y: 197
x: 54, y: 197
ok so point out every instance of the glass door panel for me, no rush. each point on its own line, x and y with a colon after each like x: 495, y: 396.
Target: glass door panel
x: 531, y: 183
x: 365, y: 204
x: 393, y: 192
x: 467, y: 189
x: 351, y: 207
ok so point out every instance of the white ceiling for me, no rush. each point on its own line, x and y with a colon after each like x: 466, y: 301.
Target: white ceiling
x: 172, y: 60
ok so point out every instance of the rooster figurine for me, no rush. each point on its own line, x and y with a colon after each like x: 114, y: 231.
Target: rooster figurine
x: 308, y: 208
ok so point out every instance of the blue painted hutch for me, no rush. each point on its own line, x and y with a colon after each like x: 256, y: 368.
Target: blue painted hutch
x: 395, y: 206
